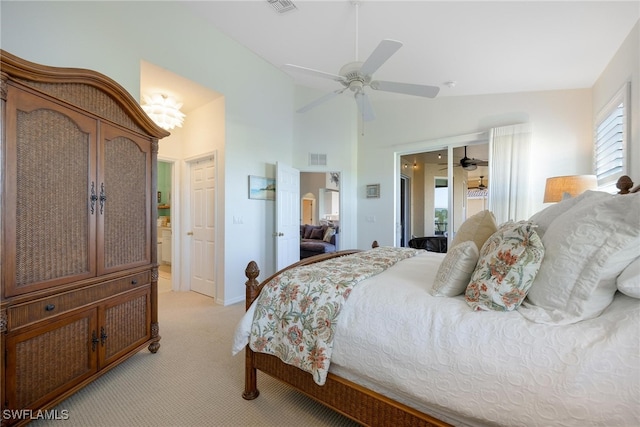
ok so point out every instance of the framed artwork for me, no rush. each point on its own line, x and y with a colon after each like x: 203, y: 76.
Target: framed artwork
x: 261, y: 188
x: 373, y: 191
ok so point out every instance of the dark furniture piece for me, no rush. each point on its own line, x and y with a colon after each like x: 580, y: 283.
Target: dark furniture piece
x: 79, y: 263
x: 312, y: 240
x: 430, y: 243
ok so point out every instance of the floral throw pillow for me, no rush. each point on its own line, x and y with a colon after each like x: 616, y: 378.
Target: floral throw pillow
x: 508, y: 263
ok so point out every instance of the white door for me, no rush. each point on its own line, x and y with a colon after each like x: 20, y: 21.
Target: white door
x: 287, y: 232
x: 203, y: 209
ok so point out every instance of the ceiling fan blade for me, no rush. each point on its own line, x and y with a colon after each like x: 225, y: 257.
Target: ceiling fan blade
x: 379, y: 56
x: 406, y: 88
x: 481, y: 162
x: 320, y: 100
x: 315, y: 73
x: 364, y: 106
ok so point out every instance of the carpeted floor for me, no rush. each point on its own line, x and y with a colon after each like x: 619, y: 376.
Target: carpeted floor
x: 192, y: 381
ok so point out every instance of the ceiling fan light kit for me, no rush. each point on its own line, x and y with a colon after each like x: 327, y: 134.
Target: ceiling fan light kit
x: 357, y: 76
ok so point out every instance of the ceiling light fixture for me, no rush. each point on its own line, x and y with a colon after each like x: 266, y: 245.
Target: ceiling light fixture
x: 163, y: 110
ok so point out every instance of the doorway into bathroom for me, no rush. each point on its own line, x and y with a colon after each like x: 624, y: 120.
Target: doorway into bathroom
x: 165, y: 240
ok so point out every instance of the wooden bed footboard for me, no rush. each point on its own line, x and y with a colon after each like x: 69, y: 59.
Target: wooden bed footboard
x: 346, y: 397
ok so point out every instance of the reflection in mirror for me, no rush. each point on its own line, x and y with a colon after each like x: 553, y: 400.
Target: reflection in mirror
x: 427, y: 214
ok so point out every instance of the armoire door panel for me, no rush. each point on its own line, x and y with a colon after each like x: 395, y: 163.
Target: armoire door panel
x: 50, y: 168
x: 50, y: 359
x: 125, y: 326
x: 124, y: 200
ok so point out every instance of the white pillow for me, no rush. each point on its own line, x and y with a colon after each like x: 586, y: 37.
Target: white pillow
x: 507, y: 266
x: 455, y: 270
x: 587, y: 247
x: 628, y: 282
x: 545, y: 217
x: 477, y: 228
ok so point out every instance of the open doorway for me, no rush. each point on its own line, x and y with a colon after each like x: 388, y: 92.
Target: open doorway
x: 165, y: 200
x: 320, y: 199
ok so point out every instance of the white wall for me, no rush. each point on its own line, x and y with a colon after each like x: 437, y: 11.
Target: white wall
x: 113, y: 37
x: 624, y: 67
x: 330, y: 128
x: 561, y: 141
x: 260, y: 128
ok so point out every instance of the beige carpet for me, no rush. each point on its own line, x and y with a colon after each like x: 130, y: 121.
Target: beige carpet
x: 192, y: 381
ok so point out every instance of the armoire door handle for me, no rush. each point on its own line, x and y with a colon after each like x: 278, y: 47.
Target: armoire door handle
x: 103, y: 198
x: 93, y: 198
x: 94, y: 340
x: 103, y: 336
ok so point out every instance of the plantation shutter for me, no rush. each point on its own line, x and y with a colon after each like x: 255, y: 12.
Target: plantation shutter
x: 610, y: 142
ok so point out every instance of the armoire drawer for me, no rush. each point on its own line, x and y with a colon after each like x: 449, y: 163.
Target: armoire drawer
x: 25, y: 314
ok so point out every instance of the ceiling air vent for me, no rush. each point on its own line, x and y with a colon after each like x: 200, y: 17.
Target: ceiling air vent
x: 316, y: 159
x: 282, y: 6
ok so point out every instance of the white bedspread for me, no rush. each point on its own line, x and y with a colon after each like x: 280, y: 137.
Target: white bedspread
x: 484, y: 368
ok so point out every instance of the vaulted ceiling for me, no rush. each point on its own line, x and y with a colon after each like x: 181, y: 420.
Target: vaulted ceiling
x: 484, y: 47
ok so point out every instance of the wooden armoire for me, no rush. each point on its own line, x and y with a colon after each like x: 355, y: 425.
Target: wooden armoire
x: 78, y: 221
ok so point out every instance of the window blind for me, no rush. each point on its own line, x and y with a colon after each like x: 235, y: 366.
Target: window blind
x: 610, y: 142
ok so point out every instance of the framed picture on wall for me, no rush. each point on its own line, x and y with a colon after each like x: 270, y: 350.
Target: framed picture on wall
x: 261, y: 188
x: 373, y: 191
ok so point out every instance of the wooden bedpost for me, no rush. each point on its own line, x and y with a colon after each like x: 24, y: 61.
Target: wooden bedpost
x: 252, y: 272
x: 625, y: 185
x: 250, y: 375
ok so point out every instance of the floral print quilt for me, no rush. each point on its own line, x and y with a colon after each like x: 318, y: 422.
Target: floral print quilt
x: 297, y: 312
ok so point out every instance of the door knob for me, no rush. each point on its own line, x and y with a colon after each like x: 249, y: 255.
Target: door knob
x: 280, y: 234
x: 189, y: 233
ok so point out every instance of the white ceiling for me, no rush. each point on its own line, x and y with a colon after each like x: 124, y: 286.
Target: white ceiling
x: 485, y: 47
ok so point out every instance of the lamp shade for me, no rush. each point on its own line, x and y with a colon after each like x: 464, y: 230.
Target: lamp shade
x: 558, y: 187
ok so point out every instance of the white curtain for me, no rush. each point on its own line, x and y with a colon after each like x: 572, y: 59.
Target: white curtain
x: 510, y: 149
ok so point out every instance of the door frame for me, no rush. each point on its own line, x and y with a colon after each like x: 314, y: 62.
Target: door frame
x: 405, y: 210
x: 185, y: 242
x: 175, y: 220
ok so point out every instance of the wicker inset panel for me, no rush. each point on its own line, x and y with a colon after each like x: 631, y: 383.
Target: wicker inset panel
x: 52, y: 172
x: 38, y: 372
x: 125, y: 228
x: 126, y: 324
x: 88, y: 98
x: 365, y: 406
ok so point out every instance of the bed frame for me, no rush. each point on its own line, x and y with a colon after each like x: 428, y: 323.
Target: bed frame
x: 346, y: 397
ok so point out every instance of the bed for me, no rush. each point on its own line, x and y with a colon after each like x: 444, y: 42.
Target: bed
x: 545, y: 332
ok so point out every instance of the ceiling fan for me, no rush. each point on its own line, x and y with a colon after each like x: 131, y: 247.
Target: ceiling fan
x: 470, y: 164
x: 480, y: 186
x: 356, y: 76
